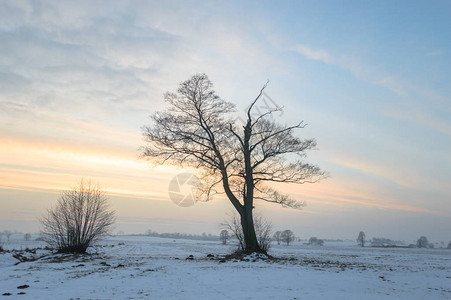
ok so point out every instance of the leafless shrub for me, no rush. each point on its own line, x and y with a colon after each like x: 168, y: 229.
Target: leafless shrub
x: 263, y: 229
x: 81, y: 216
x: 224, y: 236
x: 262, y: 226
x: 233, y: 224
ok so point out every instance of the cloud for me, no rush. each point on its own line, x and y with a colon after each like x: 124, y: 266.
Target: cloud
x: 308, y: 52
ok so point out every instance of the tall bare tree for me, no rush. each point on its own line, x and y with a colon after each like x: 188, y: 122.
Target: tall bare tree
x: 240, y: 160
x: 80, y: 217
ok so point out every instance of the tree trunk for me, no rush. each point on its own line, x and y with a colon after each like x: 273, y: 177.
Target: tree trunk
x: 250, y: 238
x: 247, y: 220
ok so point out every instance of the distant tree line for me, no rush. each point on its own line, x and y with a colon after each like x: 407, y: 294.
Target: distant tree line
x: 177, y: 235
x: 422, y: 242
x: 384, y: 242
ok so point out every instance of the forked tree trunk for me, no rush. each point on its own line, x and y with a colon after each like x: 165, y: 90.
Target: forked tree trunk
x: 247, y: 220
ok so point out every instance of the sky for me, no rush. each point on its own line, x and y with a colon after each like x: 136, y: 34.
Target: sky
x: 79, y: 79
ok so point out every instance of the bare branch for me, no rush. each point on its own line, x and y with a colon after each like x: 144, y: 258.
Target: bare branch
x: 270, y: 195
x: 255, y: 101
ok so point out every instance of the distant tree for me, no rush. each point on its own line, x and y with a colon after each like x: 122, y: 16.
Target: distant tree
x: 316, y: 241
x: 361, y: 239
x: 224, y: 236
x: 239, y: 159
x: 27, y: 237
x: 8, y: 234
x: 287, y: 236
x: 423, y: 242
x: 449, y: 245
x: 81, y: 217
x: 276, y: 236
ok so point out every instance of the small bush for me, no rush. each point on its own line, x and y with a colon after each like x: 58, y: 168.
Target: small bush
x: 80, y: 218
x: 262, y: 227
x: 263, y: 231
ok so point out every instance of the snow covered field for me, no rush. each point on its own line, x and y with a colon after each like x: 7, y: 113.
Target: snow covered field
x: 130, y: 267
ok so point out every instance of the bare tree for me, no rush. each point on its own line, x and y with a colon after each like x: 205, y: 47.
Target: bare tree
x: 287, y: 236
x: 361, y: 239
x: 81, y: 217
x: 315, y: 241
x: 423, y: 242
x: 276, y: 236
x: 27, y: 237
x: 198, y: 130
x: 8, y: 234
x: 224, y: 236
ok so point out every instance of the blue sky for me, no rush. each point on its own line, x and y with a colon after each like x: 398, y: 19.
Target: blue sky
x: 78, y: 80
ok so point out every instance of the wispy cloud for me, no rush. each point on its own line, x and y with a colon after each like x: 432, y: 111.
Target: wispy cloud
x: 321, y: 55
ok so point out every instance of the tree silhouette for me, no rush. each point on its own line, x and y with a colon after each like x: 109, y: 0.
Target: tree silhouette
x: 241, y: 160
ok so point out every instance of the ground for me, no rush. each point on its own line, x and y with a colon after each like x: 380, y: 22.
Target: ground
x: 131, y: 267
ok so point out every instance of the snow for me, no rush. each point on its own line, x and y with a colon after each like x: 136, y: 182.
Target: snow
x: 151, y: 267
